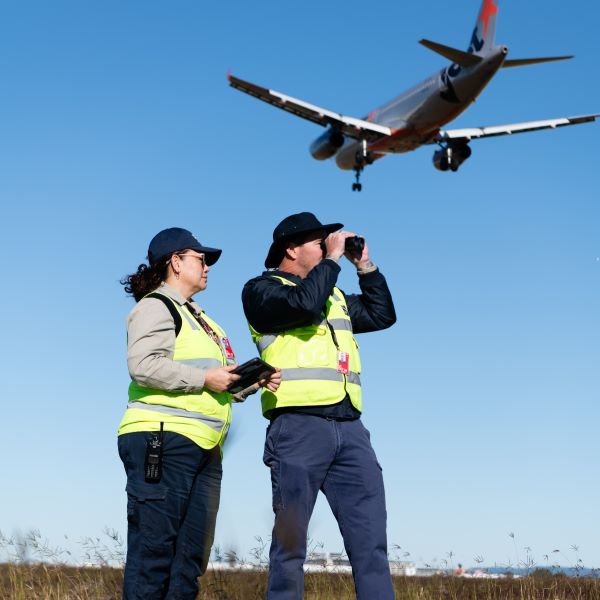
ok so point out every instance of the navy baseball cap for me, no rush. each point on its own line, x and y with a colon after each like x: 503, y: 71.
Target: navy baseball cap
x: 171, y: 240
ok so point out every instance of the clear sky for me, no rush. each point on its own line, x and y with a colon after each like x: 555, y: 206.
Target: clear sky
x: 116, y: 121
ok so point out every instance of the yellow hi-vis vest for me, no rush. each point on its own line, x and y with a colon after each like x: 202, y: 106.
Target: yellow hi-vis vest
x: 202, y: 416
x: 308, y: 357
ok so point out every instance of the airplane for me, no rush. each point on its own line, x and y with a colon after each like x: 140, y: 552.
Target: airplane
x: 415, y: 118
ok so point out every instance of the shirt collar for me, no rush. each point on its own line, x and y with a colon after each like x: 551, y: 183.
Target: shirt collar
x: 172, y: 293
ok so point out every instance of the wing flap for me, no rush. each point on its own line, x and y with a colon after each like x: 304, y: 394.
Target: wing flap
x: 483, y: 132
x: 350, y: 126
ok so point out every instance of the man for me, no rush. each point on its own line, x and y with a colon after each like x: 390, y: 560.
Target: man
x: 316, y: 441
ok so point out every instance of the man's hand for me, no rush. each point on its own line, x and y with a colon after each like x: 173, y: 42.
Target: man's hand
x: 220, y: 378
x: 360, y: 262
x: 334, y: 244
x: 272, y: 382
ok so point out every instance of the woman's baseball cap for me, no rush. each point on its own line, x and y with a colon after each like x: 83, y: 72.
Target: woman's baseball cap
x: 174, y: 239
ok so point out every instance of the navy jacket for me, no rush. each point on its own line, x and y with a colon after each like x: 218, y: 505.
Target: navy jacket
x: 272, y: 307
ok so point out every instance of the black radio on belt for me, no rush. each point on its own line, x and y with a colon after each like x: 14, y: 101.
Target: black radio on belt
x: 153, y: 461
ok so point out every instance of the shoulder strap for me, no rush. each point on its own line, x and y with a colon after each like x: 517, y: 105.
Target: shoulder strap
x: 169, y: 304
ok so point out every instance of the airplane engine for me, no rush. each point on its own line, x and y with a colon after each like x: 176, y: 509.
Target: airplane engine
x: 326, y: 145
x: 451, y: 158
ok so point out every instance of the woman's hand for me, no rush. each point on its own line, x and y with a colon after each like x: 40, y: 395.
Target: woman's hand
x: 272, y: 382
x: 220, y: 378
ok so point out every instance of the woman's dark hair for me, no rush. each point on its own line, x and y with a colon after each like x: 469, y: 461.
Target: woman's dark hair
x: 147, y: 278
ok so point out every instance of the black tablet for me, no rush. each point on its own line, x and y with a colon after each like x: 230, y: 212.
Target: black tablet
x: 251, y: 372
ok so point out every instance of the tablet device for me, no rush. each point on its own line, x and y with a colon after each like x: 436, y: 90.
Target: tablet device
x: 250, y: 373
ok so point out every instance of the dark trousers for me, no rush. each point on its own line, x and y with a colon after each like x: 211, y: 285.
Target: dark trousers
x: 171, y: 524
x: 309, y: 453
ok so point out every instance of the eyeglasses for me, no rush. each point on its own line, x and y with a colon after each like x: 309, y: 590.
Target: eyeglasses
x: 202, y: 259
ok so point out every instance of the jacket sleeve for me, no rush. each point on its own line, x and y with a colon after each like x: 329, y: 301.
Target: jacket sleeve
x: 271, y: 306
x: 150, y: 346
x: 373, y: 309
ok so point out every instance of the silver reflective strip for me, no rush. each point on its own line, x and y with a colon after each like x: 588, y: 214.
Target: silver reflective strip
x: 298, y: 374
x: 192, y: 322
x: 353, y: 378
x: 336, y: 297
x: 265, y: 341
x: 341, y: 324
x: 212, y: 422
x: 200, y: 363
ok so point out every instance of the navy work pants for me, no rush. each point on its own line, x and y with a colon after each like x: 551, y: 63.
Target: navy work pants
x: 309, y: 453
x: 171, y: 524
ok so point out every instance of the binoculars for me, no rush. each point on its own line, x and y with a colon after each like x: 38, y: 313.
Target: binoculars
x: 355, y: 245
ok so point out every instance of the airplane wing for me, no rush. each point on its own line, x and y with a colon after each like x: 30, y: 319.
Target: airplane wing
x: 355, y: 128
x: 482, y: 132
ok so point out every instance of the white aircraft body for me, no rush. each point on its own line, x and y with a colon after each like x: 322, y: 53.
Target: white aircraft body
x: 416, y: 117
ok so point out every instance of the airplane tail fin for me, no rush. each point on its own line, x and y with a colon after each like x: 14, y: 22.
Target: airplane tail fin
x: 484, y: 34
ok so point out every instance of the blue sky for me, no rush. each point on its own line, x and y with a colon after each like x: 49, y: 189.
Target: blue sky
x: 116, y: 121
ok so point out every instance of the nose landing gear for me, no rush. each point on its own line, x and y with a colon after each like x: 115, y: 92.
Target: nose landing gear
x: 363, y: 158
x: 357, y: 185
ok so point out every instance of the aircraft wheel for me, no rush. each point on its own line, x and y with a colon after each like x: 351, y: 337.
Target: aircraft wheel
x: 453, y: 167
x: 444, y: 164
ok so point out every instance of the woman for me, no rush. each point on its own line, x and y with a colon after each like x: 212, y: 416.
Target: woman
x: 171, y: 436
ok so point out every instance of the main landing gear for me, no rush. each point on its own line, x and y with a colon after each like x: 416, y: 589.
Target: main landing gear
x: 363, y: 158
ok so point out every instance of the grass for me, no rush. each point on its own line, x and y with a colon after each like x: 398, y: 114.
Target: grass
x: 36, y: 570
x: 60, y: 582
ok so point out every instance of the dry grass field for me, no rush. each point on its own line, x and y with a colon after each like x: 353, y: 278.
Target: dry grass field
x: 56, y: 582
x: 33, y: 569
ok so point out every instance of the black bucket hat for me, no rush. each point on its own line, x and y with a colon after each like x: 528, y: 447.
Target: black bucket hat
x: 291, y: 227
x: 174, y: 239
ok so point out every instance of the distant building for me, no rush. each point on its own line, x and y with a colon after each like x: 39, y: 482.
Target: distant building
x: 338, y: 562
x: 316, y: 562
x: 403, y: 567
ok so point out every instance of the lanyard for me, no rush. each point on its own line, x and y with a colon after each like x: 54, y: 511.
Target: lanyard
x: 227, y: 352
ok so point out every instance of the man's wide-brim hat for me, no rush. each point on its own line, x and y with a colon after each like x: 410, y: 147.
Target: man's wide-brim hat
x: 174, y: 239
x: 295, y: 226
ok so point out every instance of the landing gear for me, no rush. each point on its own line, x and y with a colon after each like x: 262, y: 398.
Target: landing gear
x: 363, y: 157
x: 357, y: 185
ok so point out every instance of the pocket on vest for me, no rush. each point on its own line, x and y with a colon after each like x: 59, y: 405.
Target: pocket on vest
x: 313, y: 353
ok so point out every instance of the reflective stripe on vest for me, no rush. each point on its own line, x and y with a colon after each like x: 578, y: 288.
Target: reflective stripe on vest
x: 200, y: 363
x: 201, y: 415
x: 216, y: 424
x: 308, y: 357
x: 337, y: 324
x: 323, y: 373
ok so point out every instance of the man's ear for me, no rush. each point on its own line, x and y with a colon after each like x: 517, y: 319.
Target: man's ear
x: 291, y: 252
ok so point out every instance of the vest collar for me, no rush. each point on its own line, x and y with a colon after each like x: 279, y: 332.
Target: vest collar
x: 284, y: 274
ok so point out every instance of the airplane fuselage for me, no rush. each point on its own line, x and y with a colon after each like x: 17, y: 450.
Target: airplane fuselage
x: 416, y: 116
